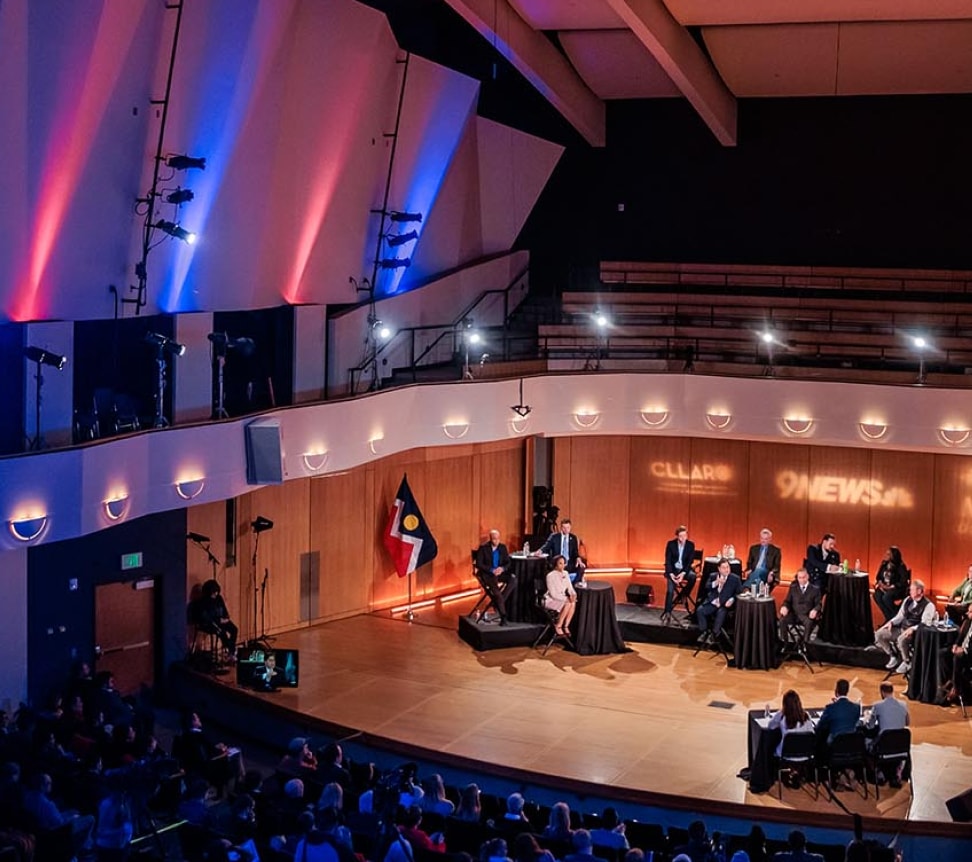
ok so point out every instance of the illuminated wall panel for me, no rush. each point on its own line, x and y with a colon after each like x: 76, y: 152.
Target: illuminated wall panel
x: 841, y: 497
x: 951, y: 537
x: 658, y: 498
x: 598, y: 502
x: 719, y: 494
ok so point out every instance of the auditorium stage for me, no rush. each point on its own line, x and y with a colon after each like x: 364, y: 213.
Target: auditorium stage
x: 656, y: 720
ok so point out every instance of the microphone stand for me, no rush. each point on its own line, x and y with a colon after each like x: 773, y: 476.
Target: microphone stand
x: 213, y: 560
x: 263, y: 620
x: 253, y: 584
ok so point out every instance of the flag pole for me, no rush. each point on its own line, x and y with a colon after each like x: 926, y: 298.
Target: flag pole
x: 409, y: 616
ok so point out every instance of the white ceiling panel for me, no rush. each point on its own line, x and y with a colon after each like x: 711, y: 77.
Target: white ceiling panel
x: 566, y: 14
x: 701, y: 12
x: 616, y: 65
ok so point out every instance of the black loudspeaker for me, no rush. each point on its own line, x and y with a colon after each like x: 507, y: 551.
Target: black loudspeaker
x: 264, y: 461
x: 960, y: 807
x: 640, y: 594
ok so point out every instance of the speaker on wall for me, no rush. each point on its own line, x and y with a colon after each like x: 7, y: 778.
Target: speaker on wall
x: 264, y: 458
x: 960, y: 807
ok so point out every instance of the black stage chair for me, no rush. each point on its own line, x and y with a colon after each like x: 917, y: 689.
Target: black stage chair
x: 848, y: 752
x: 549, y: 634
x: 798, y: 756
x: 683, y: 596
x: 892, y: 747
x: 487, y: 601
x: 795, y: 646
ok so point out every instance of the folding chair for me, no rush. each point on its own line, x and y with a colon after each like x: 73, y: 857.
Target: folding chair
x: 487, y: 601
x: 892, y: 747
x: 848, y: 751
x: 548, y: 637
x: 797, y: 647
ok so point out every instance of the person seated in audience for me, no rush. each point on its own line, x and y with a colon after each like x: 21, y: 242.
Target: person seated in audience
x: 896, y: 636
x: 314, y: 845
x: 763, y: 562
x: 193, y: 807
x: 890, y: 582
x: 410, y: 826
x: 561, y: 595
x: 841, y: 715
x: 611, y: 831
x: 755, y: 844
x: 699, y: 847
x: 514, y: 820
x: 635, y: 854
x: 299, y: 761
x: 961, y: 660
x: 583, y: 848
x: 566, y: 544
x: 558, y: 826
x: 679, y: 574
x: 822, y: 561
x: 791, y: 718
x: 800, y: 607
x: 470, y: 808
x: 720, y: 595
x: 44, y: 814
x: 434, y: 801
x: 526, y: 849
x: 330, y: 766
x: 798, y: 850
x: 493, y: 569
x: 493, y: 850
x: 960, y: 600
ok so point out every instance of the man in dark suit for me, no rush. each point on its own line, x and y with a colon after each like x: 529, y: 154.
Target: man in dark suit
x: 763, y: 562
x: 679, y: 575
x: 800, y: 607
x: 567, y: 545
x: 493, y: 568
x: 720, y: 595
x: 841, y: 715
x: 821, y: 560
x: 961, y: 655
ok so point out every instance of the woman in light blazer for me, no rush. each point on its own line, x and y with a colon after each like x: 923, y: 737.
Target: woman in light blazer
x: 560, y: 596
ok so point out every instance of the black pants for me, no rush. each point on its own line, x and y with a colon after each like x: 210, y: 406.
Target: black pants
x: 500, y: 589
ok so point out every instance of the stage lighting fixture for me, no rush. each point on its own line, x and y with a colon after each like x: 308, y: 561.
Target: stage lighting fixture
x: 405, y: 217
x: 165, y: 343
x: 185, y: 163
x: 260, y: 524
x: 601, y: 319
x: 380, y: 329
x: 197, y: 537
x: 177, y: 231
x: 45, y: 357
x: 395, y: 262
x: 397, y: 239
x: 180, y: 196
x: 767, y: 337
x: 222, y: 343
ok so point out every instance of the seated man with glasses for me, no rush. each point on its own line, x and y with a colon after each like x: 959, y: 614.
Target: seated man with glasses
x: 897, y: 636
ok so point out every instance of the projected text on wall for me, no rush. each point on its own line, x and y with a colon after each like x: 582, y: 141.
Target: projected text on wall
x: 843, y: 490
x: 708, y: 479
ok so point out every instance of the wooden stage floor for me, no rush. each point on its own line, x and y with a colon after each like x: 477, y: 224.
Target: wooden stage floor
x: 642, y: 721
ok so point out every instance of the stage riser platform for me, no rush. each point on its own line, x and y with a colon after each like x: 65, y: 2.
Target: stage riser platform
x: 488, y: 636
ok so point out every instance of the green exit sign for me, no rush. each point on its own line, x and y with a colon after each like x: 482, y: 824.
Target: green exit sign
x: 131, y: 561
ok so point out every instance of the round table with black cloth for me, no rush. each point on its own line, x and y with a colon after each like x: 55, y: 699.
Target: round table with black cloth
x: 531, y: 581
x: 847, y: 618
x: 594, y: 628
x: 756, y: 639
x: 929, y: 669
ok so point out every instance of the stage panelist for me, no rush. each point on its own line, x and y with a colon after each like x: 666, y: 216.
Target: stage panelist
x: 822, y: 560
x: 719, y: 597
x: 763, y: 562
x: 567, y: 545
x: 493, y: 567
x: 800, y: 607
x: 897, y: 636
x: 560, y: 596
x: 891, y: 582
x: 679, y: 575
x: 961, y: 654
x: 960, y: 600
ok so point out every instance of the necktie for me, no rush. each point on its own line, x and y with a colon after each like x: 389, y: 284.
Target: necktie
x: 564, y: 548
x: 762, y: 558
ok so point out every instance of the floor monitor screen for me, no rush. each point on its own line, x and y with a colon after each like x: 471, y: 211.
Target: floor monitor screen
x: 267, y: 669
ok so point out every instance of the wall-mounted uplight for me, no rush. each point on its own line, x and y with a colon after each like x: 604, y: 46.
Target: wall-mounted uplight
x: 654, y: 417
x: 953, y: 436
x: 797, y: 424
x: 519, y: 424
x: 28, y: 527
x: 718, y: 420
x: 314, y: 461
x: 375, y: 444
x: 873, y: 429
x: 586, y: 418
x: 455, y: 430
x: 189, y: 489
x: 116, y: 507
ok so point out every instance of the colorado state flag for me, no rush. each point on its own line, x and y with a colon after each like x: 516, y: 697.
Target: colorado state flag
x: 407, y: 536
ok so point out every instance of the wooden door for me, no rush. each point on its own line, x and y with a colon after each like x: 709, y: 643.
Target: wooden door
x: 125, y: 634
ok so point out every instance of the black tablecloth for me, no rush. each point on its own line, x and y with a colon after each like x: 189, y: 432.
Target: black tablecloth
x: 594, y: 628
x: 928, y: 670
x: 847, y: 618
x: 531, y: 581
x: 756, y: 633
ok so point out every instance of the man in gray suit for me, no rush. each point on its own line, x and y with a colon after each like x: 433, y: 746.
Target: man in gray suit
x: 800, y: 607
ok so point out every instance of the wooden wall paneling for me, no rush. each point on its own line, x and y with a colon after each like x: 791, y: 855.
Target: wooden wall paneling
x: 951, y: 535
x: 246, y: 622
x: 527, y: 458
x: 562, y: 464
x: 598, y: 506
x: 902, y: 510
x: 718, y: 489
x: 279, y: 552
x: 339, y: 535
x: 840, y: 494
x: 501, y: 494
x: 448, y: 507
x: 777, y: 475
x: 209, y: 519
x: 658, y: 496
